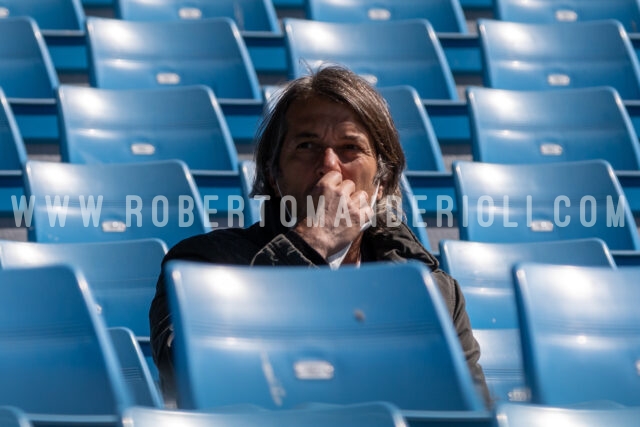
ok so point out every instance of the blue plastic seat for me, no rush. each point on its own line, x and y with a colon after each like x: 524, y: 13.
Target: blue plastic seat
x: 413, y: 216
x: 375, y: 414
x: 56, y: 358
x: 484, y: 273
x: 134, y: 368
x: 521, y: 56
x: 117, y: 126
x: 511, y: 414
x: 418, y: 139
x: 543, y: 202
x: 552, y: 126
x: 372, y: 49
x: 444, y: 15
x: 49, y: 14
x: 26, y: 70
x: 249, y: 15
x: 13, y: 153
x: 280, y: 337
x: 579, y: 333
x: 10, y: 416
x: 137, y: 55
x: 548, y: 11
x: 138, y: 200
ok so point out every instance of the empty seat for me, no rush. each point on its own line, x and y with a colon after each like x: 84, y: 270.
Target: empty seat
x: 26, y: 70
x: 413, y: 216
x: 372, y: 49
x: 118, y: 126
x: 417, y: 137
x: 108, y: 202
x: 10, y: 416
x: 249, y: 15
x: 510, y: 414
x: 553, y: 56
x: 49, y: 14
x: 444, y: 15
x: 283, y: 337
x: 543, y: 202
x: 548, y: 11
x: 510, y: 126
x: 13, y: 153
x: 484, y: 271
x: 56, y: 358
x: 579, y: 333
x: 136, y: 55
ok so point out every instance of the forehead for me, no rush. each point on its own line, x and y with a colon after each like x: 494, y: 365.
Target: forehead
x: 318, y: 110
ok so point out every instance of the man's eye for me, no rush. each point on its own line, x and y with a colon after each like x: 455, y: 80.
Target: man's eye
x: 305, y: 145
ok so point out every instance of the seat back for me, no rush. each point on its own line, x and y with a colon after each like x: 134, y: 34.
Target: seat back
x: 579, y: 333
x: 48, y: 14
x: 413, y: 216
x: 249, y: 15
x: 418, y: 139
x: 549, y: 11
x: 26, y: 69
x: 521, y: 56
x: 117, y: 126
x: 56, y: 357
x: 13, y: 153
x: 371, y: 50
x: 136, y: 55
x: 444, y: 15
x: 510, y: 414
x: 10, y: 416
x: 107, y: 202
x: 280, y: 337
x: 122, y: 275
x: 543, y: 202
x: 552, y: 126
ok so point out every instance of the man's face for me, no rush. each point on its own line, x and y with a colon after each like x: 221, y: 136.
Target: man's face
x: 324, y: 136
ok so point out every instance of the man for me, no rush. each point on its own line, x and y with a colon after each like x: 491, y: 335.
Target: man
x: 327, y: 157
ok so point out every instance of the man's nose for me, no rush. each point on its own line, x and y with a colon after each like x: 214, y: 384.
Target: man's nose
x: 329, y: 161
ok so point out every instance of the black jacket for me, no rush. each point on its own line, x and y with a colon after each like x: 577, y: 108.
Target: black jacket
x: 273, y: 244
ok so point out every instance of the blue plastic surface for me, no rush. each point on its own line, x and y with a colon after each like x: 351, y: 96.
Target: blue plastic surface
x: 552, y: 126
x: 554, y: 56
x: 49, y: 14
x: 388, y: 53
x: 418, y: 139
x: 579, y: 333
x: 549, y: 11
x: 121, y: 126
x: 122, y: 275
x: 56, y: 357
x: 543, y: 202
x: 137, y: 55
x: 10, y: 416
x: 26, y: 70
x: 249, y: 15
x: 280, y: 337
x: 444, y: 15
x: 413, y: 216
x: 13, y: 153
x: 139, y: 200
x: 511, y: 414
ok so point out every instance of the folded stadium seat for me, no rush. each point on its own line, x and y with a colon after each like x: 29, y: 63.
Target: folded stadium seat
x: 418, y: 139
x: 484, y: 273
x: 579, y: 333
x: 510, y: 126
x: 118, y: 126
x: 372, y: 49
x: 249, y: 15
x: 444, y: 15
x: 57, y: 361
x: 13, y: 153
x: 280, y: 337
x: 137, y: 55
x: 511, y: 414
x: 135, y: 370
x: 131, y: 201
x: 49, y: 14
x: 122, y: 275
x: 26, y: 70
x: 543, y: 202
x: 549, y: 11
x: 375, y: 414
x: 521, y: 56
